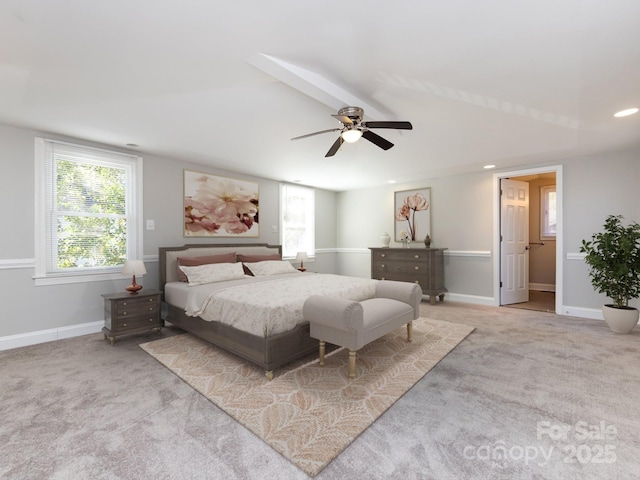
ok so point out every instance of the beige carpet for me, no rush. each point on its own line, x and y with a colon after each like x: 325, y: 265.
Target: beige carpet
x: 310, y: 413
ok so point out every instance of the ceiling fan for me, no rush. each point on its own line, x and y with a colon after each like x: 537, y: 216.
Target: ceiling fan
x: 353, y: 128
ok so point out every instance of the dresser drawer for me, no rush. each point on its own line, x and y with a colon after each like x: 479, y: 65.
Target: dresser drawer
x: 399, y: 255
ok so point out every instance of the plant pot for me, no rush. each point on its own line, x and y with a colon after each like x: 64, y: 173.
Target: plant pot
x: 620, y: 320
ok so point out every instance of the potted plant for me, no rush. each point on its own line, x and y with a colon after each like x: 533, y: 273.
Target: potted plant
x: 613, y: 257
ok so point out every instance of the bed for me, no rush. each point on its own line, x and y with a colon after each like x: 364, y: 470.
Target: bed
x: 258, y: 318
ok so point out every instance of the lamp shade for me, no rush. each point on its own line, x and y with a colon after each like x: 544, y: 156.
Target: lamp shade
x: 134, y: 267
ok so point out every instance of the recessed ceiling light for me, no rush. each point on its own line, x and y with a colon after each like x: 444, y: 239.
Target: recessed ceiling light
x: 391, y: 181
x: 626, y: 113
x: 489, y: 166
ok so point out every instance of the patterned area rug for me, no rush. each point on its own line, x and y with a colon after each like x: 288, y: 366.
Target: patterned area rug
x: 310, y: 413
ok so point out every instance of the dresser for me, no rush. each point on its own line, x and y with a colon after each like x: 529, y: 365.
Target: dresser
x: 424, y: 266
x: 125, y: 313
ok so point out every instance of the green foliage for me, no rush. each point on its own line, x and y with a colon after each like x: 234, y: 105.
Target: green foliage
x: 91, y: 205
x: 613, y: 257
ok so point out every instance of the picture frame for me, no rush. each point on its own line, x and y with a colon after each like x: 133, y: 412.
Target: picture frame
x: 217, y: 206
x: 412, y: 214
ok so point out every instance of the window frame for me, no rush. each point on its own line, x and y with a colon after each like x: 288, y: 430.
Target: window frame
x: 310, y: 223
x: 46, y: 230
x: 545, y: 234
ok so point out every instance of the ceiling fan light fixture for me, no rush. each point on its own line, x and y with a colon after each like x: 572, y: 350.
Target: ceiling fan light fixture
x: 626, y: 113
x: 351, y: 135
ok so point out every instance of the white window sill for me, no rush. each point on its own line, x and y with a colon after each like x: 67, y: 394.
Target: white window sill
x: 83, y: 278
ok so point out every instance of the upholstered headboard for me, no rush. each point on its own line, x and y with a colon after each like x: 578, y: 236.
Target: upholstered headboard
x: 168, y: 256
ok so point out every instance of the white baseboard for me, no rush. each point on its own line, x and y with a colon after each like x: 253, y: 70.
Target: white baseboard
x: 580, y: 312
x: 542, y: 287
x: 592, y: 313
x: 42, y: 336
x: 463, y: 298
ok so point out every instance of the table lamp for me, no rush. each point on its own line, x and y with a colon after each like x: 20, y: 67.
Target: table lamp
x: 134, y: 267
x: 302, y: 257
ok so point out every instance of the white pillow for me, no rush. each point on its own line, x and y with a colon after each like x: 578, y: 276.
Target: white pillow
x: 270, y: 267
x: 213, y: 272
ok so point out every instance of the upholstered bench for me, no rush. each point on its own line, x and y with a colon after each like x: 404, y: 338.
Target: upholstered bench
x: 353, y: 324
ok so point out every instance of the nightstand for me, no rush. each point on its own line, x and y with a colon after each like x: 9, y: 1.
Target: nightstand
x: 125, y: 314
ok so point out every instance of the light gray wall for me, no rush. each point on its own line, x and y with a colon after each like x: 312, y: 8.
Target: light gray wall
x: 595, y: 187
x: 462, y: 221
x: 27, y: 308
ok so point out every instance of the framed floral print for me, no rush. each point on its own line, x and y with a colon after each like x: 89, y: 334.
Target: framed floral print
x: 412, y: 215
x: 219, y: 206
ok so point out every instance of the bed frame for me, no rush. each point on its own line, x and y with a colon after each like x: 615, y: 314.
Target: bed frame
x: 268, y: 353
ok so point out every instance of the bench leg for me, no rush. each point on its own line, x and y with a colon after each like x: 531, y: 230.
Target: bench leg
x: 322, y: 346
x: 352, y: 363
x: 410, y: 332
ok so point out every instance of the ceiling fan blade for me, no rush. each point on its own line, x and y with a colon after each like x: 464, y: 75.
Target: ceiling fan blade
x: 396, y: 125
x: 316, y: 133
x: 343, y: 119
x: 377, y: 139
x: 335, y: 147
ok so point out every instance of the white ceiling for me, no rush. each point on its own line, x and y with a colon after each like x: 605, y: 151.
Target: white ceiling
x: 508, y: 82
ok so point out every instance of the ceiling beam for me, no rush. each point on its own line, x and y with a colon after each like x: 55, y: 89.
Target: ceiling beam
x: 313, y: 85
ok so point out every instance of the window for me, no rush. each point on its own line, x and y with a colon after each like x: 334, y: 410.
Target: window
x: 88, y: 212
x: 548, y: 213
x: 297, y: 210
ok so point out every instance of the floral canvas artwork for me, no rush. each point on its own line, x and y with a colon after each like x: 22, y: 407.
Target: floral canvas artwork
x: 412, y: 215
x: 219, y: 207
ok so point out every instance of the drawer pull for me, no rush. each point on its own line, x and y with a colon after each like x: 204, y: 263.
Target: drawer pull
x: 383, y: 255
x: 124, y: 324
x: 124, y: 304
x: 382, y: 278
x: 417, y: 281
x: 416, y: 256
x: 124, y: 313
x: 416, y: 268
x: 151, y: 300
x: 151, y: 319
x: 382, y: 265
x: 151, y: 309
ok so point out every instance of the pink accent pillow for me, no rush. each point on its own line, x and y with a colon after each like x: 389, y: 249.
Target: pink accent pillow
x: 256, y: 258
x: 205, y: 260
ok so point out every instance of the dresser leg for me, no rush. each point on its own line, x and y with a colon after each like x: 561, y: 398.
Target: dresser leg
x: 432, y: 299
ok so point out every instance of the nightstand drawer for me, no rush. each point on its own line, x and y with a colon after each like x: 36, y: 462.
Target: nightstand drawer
x: 133, y: 323
x: 136, y: 309
x: 137, y: 305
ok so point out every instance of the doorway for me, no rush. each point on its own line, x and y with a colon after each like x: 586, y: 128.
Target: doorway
x: 532, y: 283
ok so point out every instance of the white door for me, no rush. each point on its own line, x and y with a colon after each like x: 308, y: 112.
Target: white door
x: 514, y: 245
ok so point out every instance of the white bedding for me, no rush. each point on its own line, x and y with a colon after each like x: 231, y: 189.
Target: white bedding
x: 264, y: 306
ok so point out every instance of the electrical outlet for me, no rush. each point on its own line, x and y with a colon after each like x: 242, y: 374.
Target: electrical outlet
x: 151, y: 225
x: 274, y: 228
